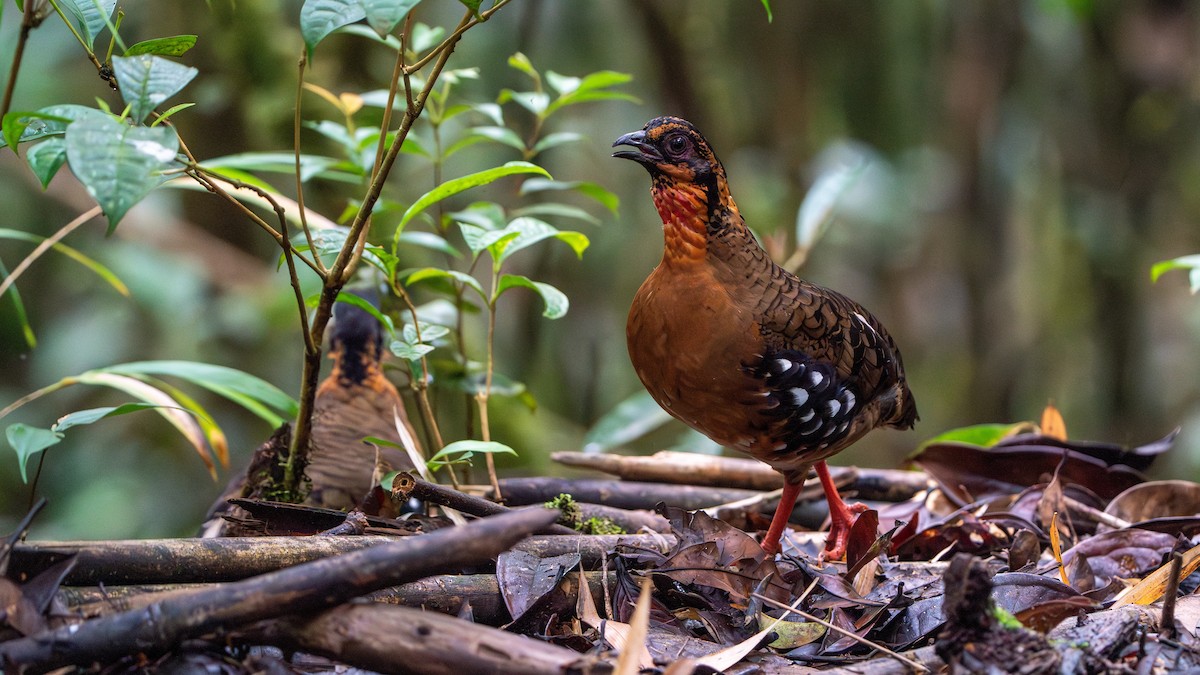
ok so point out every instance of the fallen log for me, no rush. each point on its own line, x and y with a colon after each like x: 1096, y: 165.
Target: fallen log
x: 305, y: 588
x: 404, y: 640
x: 689, y: 468
x: 444, y: 593
x: 196, y: 561
x: 406, y: 486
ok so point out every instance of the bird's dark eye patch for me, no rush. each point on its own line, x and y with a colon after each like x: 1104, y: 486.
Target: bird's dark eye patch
x: 677, y: 145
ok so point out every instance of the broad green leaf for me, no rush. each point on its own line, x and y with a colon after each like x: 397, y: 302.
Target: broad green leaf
x: 19, y: 310
x: 478, y: 239
x: 563, y: 84
x: 1187, y: 262
x: 91, y: 16
x: 426, y: 37
x: 535, y: 102
x: 51, y: 120
x: 81, y: 417
x: 457, y: 185
x: 117, y: 163
x: 74, y: 254
x: 28, y: 441
x: 594, y: 191
x: 556, y: 300
x: 176, y: 45
x: 429, y: 240
x: 469, y: 447
x: 319, y: 18
x: 983, y: 435
x: 822, y: 197
x: 164, y: 404
x: 559, y: 210
x: 603, y: 79
x: 523, y: 64
x: 383, y: 15
x: 556, y: 139
x: 147, y: 80
x: 582, y: 96
x: 631, y: 419
x: 429, y: 332
x: 485, y: 215
x: 531, y: 231
x: 436, y: 273
x: 502, y: 135
x: 410, y: 351
x: 233, y: 384
x: 472, y: 5
x: 282, y: 162
x: 46, y: 158
x: 366, y: 306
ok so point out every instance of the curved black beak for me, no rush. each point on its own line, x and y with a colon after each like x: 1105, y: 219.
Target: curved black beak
x: 644, y: 154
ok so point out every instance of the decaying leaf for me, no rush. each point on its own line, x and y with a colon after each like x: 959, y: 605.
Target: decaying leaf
x: 1155, y: 500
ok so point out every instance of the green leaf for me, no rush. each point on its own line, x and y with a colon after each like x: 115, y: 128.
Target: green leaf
x: 410, y: 351
x: 479, y: 239
x: 319, y: 18
x: 983, y: 435
x: 502, y: 135
x: 19, y: 310
x: 594, y: 191
x: 530, y: 231
x: 240, y: 387
x: 465, y: 449
x: 631, y: 419
x: 46, y: 158
x: 523, y: 64
x: 366, y: 306
x: 91, y: 16
x: 311, y: 166
x: 767, y: 6
x: 457, y: 185
x: 429, y: 333
x: 176, y: 45
x: 535, y: 102
x: 558, y: 210
x: 556, y: 301
x: 822, y: 197
x: 1187, y: 262
x: 425, y: 37
x: 383, y: 15
x: 117, y: 163
x: 28, y: 441
x: 429, y: 240
x: 472, y: 5
x: 81, y: 417
x: 54, y: 120
x: 74, y: 254
x: 486, y: 215
x: 563, y: 84
x: 556, y: 139
x: 147, y: 80
x: 436, y: 273
x: 166, y: 114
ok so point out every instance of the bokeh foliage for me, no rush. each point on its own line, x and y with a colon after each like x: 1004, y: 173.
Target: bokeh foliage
x: 1024, y: 166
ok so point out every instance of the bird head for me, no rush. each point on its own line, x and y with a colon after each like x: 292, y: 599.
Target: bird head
x: 673, y: 149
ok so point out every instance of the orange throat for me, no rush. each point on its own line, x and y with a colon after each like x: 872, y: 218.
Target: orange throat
x: 684, y: 212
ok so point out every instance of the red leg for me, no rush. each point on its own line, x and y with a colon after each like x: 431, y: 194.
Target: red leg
x: 787, y: 501
x: 841, y: 515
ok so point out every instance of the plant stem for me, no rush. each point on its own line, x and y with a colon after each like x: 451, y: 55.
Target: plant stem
x: 28, y: 23
x: 347, y: 260
x: 296, y: 123
x: 483, y: 396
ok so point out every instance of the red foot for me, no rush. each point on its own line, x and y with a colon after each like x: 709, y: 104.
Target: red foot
x: 841, y: 516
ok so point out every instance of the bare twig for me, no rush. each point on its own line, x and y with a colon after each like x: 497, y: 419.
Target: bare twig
x: 837, y: 629
x: 29, y: 21
x: 296, y: 123
x: 47, y: 243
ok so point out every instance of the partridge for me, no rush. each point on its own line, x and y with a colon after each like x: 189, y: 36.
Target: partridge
x: 744, y: 351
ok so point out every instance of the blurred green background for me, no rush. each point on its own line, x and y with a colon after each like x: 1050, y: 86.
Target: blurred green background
x: 1027, y: 163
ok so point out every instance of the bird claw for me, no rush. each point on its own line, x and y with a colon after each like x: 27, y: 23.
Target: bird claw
x: 841, y: 522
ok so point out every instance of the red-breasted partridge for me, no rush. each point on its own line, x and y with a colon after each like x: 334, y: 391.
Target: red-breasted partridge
x: 744, y: 351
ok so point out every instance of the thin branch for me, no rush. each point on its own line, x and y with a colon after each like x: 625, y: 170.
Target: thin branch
x: 837, y: 629
x: 46, y: 245
x: 29, y: 21
x: 453, y: 38
x: 312, y: 246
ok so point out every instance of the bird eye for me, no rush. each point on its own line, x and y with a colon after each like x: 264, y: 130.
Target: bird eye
x: 677, y: 144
